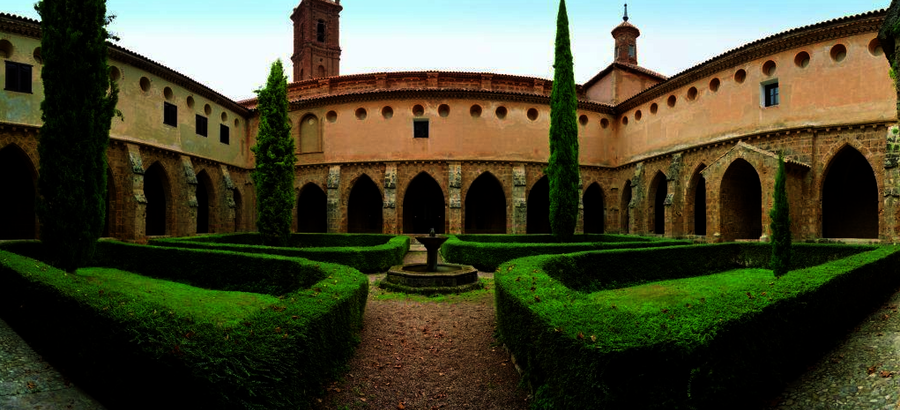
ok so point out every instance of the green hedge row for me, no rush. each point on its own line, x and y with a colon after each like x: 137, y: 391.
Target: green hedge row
x: 120, y: 346
x: 712, y: 341
x: 366, y: 253
x: 487, y: 252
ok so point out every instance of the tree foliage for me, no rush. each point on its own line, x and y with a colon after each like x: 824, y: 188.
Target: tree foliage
x: 563, y: 171
x: 78, y: 106
x: 780, y: 224
x: 275, y: 161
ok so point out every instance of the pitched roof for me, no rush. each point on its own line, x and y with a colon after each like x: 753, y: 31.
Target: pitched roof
x: 623, y: 66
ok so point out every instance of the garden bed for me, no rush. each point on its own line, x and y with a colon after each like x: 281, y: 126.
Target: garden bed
x: 366, y: 253
x: 153, y: 327
x: 487, y: 252
x: 681, y: 327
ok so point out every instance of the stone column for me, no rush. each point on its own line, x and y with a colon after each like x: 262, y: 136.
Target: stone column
x: 579, y: 223
x: 389, y: 213
x: 334, y: 199
x: 188, y: 226
x: 674, y: 204
x: 891, y: 191
x: 635, y: 211
x: 229, y: 213
x: 454, y: 212
x: 135, y: 205
x: 520, y: 203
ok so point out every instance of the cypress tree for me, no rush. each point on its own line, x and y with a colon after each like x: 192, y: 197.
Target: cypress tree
x: 563, y: 171
x: 77, y: 110
x: 780, y: 224
x: 274, y: 149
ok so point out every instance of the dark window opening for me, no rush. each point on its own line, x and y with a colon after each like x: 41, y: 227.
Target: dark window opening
x: 202, y: 126
x: 18, y: 77
x: 420, y: 129
x: 771, y: 94
x: 170, y: 114
x: 320, y: 31
x: 224, y: 134
x: 631, y: 52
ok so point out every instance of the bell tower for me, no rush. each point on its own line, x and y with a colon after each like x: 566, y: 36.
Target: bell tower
x: 626, y: 36
x: 317, y: 49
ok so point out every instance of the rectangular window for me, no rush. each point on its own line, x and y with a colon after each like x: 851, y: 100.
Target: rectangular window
x: 224, y: 134
x: 420, y: 128
x: 170, y: 114
x: 201, y: 125
x: 18, y: 77
x: 770, y: 94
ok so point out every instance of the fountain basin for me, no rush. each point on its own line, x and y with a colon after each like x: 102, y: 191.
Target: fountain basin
x: 417, y: 278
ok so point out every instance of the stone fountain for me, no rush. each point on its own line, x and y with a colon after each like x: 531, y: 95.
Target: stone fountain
x: 431, y: 277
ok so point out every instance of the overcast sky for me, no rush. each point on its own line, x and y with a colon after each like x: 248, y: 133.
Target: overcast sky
x: 228, y: 45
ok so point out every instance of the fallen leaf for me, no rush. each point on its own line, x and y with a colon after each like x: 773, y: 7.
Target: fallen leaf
x: 886, y: 374
x: 580, y: 335
x: 400, y: 406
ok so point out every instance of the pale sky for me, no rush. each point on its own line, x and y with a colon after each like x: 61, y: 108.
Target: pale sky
x: 228, y: 45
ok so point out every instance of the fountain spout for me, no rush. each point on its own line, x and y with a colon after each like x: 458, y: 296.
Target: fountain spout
x: 432, y: 243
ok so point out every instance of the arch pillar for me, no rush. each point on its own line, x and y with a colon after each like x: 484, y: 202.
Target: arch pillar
x: 637, y: 195
x: 189, y: 226
x: 229, y: 212
x: 454, y: 214
x: 334, y: 199
x: 674, y: 204
x: 579, y: 220
x: 389, y: 212
x: 135, y: 205
x: 519, y: 201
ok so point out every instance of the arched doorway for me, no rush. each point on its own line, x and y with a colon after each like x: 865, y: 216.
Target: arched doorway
x: 485, y: 206
x: 593, y: 209
x: 697, y: 192
x: 658, y: 191
x: 17, y: 185
x: 312, y: 210
x: 156, y: 191
x: 364, y: 207
x: 625, y: 207
x: 423, y: 206
x: 740, y: 202
x: 849, y: 197
x: 238, y: 211
x: 205, y: 203
x: 539, y: 207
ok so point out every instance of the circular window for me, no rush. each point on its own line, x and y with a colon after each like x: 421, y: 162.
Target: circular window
x: 6, y: 49
x: 801, y: 59
x: 37, y: 56
x: 654, y: 108
x: 583, y: 120
x: 207, y: 109
x: 875, y: 47
x: 838, y: 52
x: 532, y: 114
x: 501, y: 112
x: 624, y: 120
x: 604, y: 123
x: 237, y: 122
x: 190, y: 101
x: 224, y: 116
x: 714, y: 84
x: 361, y: 113
x: 740, y: 76
x: 475, y: 111
x: 114, y: 73
x: 692, y: 94
x: 444, y: 110
x: 418, y: 110
x: 387, y: 112
x: 768, y: 69
x: 671, y: 101
x: 331, y: 116
x: 167, y: 92
x: 145, y: 84
x: 638, y: 115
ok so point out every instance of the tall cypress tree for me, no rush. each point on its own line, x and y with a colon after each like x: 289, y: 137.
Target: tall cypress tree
x: 275, y: 161
x: 79, y: 103
x: 563, y: 171
x: 780, y: 224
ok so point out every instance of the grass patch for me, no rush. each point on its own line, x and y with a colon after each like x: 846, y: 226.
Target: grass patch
x: 470, y: 296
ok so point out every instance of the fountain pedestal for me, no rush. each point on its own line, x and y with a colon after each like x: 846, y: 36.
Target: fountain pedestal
x: 431, y: 277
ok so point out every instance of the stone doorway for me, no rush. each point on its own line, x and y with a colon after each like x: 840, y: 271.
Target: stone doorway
x: 539, y: 207
x: 423, y: 206
x: 312, y: 210
x: 485, y: 206
x: 364, y: 207
x: 594, y: 220
x: 740, y: 202
x: 17, y: 185
x: 849, y: 197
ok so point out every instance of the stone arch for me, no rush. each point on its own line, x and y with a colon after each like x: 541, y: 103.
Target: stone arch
x: 538, y: 216
x: 849, y: 196
x: 309, y: 140
x: 485, y: 205
x: 312, y: 209
x: 321, y: 71
x: 18, y: 181
x: 423, y: 205
x: 656, y: 214
x: 157, y: 191
x: 695, y: 204
x: 238, y: 210
x: 365, y: 207
x: 206, y: 203
x: 625, y: 214
x: 594, y: 209
x: 740, y: 202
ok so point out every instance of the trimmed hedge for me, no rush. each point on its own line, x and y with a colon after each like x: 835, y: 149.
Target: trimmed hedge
x: 366, y: 253
x: 712, y: 341
x: 119, y: 345
x: 487, y: 252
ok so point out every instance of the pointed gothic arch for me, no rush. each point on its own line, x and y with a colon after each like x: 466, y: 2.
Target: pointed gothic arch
x: 18, y: 181
x: 538, y: 218
x: 594, y: 209
x: 423, y: 205
x: 238, y: 211
x: 740, y: 202
x: 206, y: 203
x: 158, y: 195
x: 849, y: 197
x: 312, y: 209
x: 365, y: 207
x: 696, y: 202
x: 656, y: 215
x: 485, y: 205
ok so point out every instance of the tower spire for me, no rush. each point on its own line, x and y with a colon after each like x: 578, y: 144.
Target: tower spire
x: 626, y: 13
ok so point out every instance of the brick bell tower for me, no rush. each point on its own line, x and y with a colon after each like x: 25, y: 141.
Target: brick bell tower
x: 317, y: 50
x: 626, y: 36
